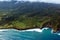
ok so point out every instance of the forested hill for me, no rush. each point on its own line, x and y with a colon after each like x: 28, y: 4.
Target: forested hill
x: 31, y: 8
x: 23, y: 15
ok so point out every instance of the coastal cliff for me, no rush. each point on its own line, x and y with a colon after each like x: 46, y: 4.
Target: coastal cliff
x: 28, y: 23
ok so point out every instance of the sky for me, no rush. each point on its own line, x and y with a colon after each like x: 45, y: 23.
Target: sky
x: 48, y: 1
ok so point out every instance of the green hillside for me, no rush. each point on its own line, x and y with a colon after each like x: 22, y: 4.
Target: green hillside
x: 31, y: 15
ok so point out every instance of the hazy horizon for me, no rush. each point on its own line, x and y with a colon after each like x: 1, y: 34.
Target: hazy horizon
x: 47, y: 1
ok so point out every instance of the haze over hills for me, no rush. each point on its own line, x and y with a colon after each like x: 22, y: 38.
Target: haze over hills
x: 10, y: 4
x: 25, y: 15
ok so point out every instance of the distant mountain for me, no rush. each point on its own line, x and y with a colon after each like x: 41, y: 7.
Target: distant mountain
x: 29, y: 8
x: 15, y: 4
x: 34, y: 8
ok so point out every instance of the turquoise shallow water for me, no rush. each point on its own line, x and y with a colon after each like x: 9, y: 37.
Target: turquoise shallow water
x: 13, y: 34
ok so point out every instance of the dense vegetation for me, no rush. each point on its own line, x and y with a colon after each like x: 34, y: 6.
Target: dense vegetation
x: 26, y: 15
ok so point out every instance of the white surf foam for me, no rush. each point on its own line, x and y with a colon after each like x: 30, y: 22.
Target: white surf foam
x: 58, y: 33
x: 36, y: 29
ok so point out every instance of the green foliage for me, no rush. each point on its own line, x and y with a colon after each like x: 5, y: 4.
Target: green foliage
x: 30, y: 15
x: 18, y: 24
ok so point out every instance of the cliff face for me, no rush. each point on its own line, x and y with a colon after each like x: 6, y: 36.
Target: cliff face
x: 26, y: 15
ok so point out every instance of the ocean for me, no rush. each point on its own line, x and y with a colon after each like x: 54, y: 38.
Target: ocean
x: 31, y: 34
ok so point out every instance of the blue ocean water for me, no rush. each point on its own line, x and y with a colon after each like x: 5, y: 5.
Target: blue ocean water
x: 13, y: 34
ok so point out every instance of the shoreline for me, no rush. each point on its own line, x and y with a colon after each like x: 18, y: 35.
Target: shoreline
x: 32, y: 29
x: 54, y: 31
